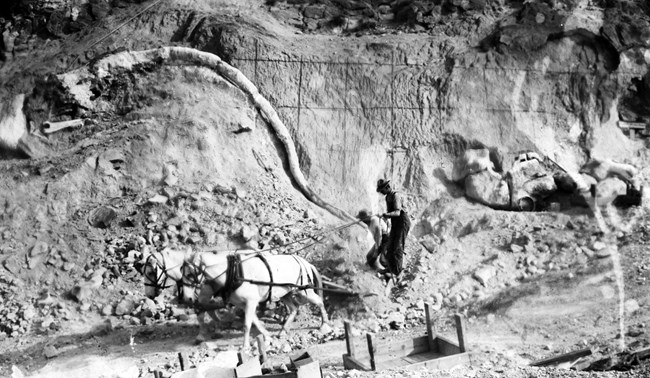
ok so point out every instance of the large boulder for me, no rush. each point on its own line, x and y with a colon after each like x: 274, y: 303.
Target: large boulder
x: 489, y: 188
x: 600, y: 169
x: 471, y: 162
x: 530, y: 181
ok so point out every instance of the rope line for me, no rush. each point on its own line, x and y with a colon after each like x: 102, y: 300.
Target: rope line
x: 253, y: 253
x: 114, y: 30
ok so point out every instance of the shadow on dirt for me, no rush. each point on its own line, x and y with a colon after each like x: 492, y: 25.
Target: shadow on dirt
x: 501, y: 302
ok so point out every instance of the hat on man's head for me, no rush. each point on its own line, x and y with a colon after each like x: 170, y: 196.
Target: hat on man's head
x: 381, y: 184
x: 363, y: 214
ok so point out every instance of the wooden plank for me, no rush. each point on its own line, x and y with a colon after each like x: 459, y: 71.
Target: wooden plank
x: 460, y: 331
x: 349, y: 342
x: 183, y: 360
x: 443, y: 363
x: 350, y: 362
x: 371, y: 351
x: 249, y: 368
x: 632, y: 125
x: 422, y: 357
x: 403, y: 348
x: 563, y: 357
x: 641, y: 353
x: 430, y: 332
x: 300, y: 358
x: 391, y: 363
x: 310, y: 370
x: 290, y: 374
x: 446, y: 347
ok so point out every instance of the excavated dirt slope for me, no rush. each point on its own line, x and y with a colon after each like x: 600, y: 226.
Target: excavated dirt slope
x: 174, y: 154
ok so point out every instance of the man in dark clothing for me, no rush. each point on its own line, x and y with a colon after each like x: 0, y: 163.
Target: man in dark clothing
x: 399, y: 228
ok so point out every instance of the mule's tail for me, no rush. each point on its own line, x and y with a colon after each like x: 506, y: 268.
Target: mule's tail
x: 318, y: 281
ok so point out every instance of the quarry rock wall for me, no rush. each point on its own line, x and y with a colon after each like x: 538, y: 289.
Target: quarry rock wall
x: 405, y: 110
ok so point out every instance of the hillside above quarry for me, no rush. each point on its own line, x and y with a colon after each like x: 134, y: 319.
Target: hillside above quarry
x: 177, y: 153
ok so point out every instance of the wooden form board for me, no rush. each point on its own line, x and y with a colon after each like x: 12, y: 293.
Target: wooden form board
x: 431, y: 351
x: 309, y: 370
x: 633, y: 128
x: 632, y: 125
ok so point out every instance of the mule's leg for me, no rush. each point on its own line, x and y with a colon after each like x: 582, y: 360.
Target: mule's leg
x: 317, y: 300
x: 203, y: 329
x: 204, y: 302
x: 292, y: 307
x: 250, y: 318
x: 249, y: 313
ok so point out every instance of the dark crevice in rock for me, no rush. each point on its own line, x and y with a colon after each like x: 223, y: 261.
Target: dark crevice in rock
x: 604, y: 49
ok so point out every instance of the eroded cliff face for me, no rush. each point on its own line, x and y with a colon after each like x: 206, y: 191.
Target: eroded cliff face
x: 405, y: 95
x: 549, y: 80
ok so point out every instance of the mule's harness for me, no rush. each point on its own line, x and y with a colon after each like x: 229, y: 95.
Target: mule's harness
x: 235, y: 277
x: 160, y: 283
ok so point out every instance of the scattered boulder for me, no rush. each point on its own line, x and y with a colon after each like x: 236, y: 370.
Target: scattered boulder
x: 50, y: 352
x: 81, y: 293
x: 484, y: 274
x: 395, y: 320
x: 102, y: 217
x: 125, y: 306
x: 631, y: 306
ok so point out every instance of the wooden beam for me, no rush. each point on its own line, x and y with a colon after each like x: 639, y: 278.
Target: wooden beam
x: 349, y: 342
x: 632, y: 125
x: 442, y: 363
x: 430, y: 334
x: 563, y: 357
x: 50, y: 127
x: 310, y: 370
x: 182, y: 359
x: 446, y: 346
x: 249, y: 368
x: 460, y: 331
x: 350, y: 362
x: 403, y: 348
x: 641, y: 353
x: 371, y: 351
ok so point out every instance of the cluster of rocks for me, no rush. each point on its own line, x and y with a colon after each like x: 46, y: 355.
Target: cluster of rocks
x: 363, y: 16
x: 219, y: 216
x: 46, y: 20
x: 20, y: 314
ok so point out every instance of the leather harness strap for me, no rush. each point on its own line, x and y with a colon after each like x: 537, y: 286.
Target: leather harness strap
x: 235, y: 277
x: 265, y: 261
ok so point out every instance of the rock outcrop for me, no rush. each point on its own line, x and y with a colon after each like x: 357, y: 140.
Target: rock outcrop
x: 79, y: 83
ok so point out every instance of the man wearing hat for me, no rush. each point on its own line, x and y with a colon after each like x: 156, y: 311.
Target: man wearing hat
x: 399, y: 228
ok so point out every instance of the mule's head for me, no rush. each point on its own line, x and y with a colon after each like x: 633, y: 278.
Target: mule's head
x: 193, y: 277
x: 155, y: 278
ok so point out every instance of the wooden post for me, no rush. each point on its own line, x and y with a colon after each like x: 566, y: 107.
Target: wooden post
x: 262, y: 347
x: 182, y: 359
x: 430, y: 335
x: 349, y: 342
x: 460, y: 331
x: 371, y: 352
